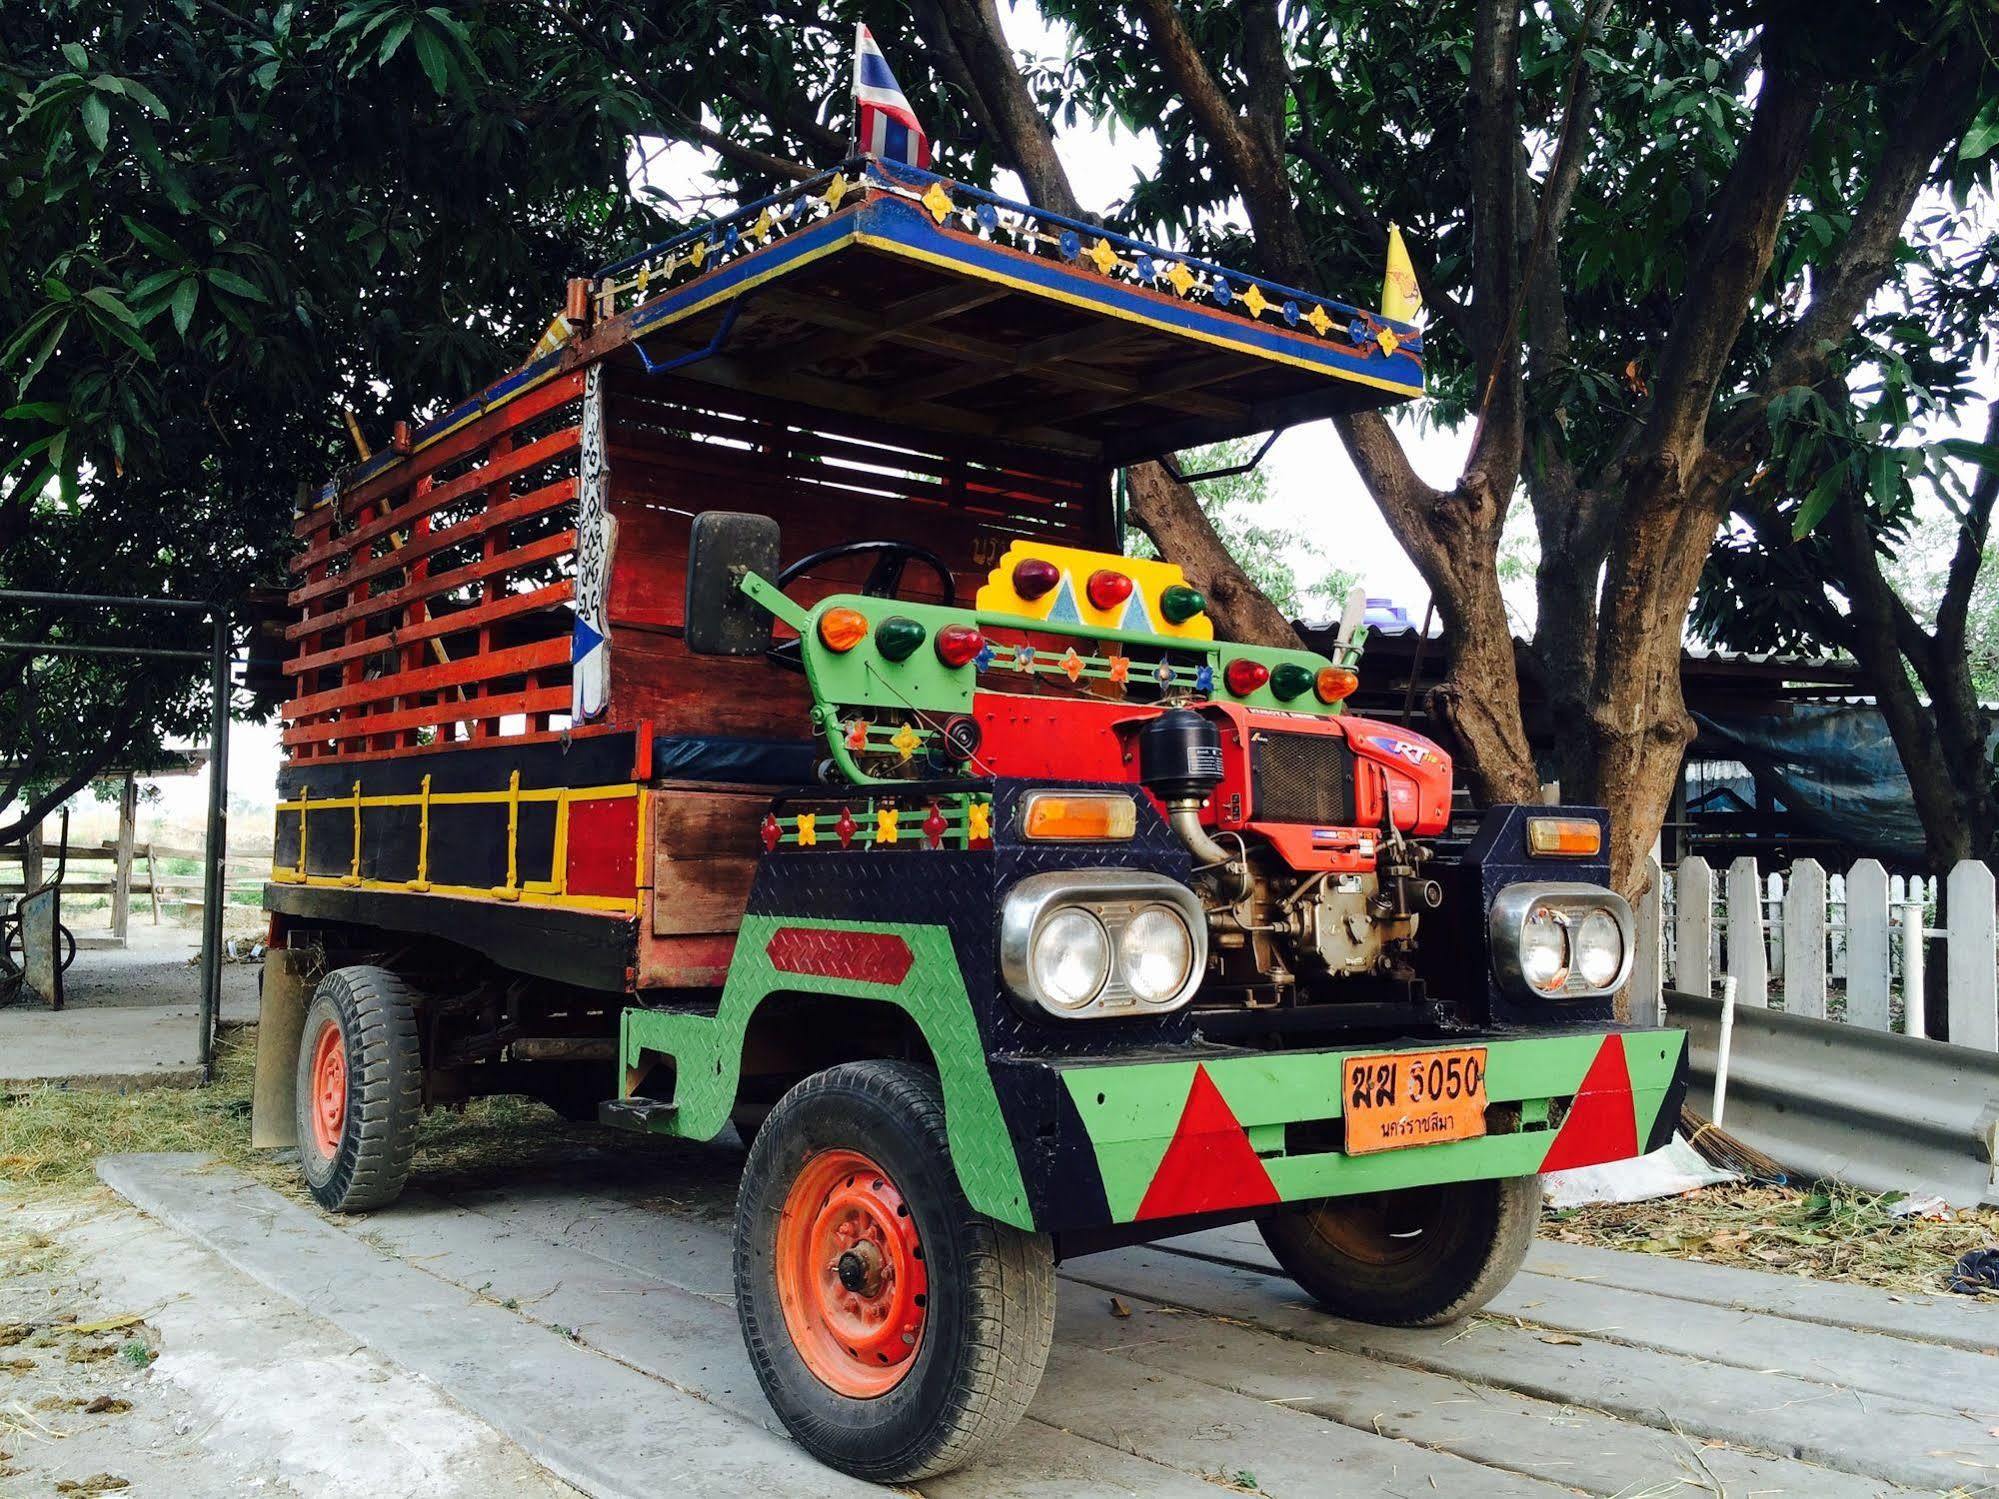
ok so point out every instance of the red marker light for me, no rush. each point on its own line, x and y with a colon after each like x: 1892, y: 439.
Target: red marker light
x: 1034, y: 577
x: 959, y: 645
x: 1244, y: 676
x: 1108, y: 589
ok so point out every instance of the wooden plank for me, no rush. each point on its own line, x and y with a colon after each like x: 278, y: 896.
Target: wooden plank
x: 1647, y: 997
x: 1748, y: 958
x: 1867, y: 946
x: 1804, y: 940
x: 516, y: 662
x: 540, y: 700
x: 1693, y: 920
x: 121, y: 894
x: 1973, y: 980
x: 444, y: 582
x: 460, y: 444
x: 401, y: 559
x: 496, y: 470
x: 506, y: 607
x: 911, y: 312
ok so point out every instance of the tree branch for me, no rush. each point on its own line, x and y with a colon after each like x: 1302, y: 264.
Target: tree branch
x: 1730, y: 263
x: 1953, y: 611
x: 1249, y: 151
x: 1002, y: 98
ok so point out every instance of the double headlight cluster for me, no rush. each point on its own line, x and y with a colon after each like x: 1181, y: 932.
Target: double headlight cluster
x: 1560, y: 941
x: 1102, y: 942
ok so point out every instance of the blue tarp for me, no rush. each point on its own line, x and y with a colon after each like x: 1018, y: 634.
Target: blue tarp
x: 1832, y: 765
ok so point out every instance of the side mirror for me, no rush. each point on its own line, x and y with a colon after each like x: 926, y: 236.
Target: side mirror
x: 721, y: 619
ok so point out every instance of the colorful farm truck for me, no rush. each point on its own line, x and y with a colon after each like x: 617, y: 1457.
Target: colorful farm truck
x: 744, y: 713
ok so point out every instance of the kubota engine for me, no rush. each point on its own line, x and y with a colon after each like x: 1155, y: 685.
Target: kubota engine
x: 1306, y: 829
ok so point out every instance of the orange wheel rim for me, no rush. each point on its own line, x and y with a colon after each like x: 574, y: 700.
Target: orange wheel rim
x: 329, y: 1089
x: 850, y: 1275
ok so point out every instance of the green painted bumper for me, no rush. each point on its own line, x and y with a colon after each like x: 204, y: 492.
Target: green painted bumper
x: 1236, y: 1130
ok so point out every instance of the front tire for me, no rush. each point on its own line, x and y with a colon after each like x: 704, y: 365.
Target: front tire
x: 360, y: 1089
x: 1418, y: 1257
x: 897, y: 1333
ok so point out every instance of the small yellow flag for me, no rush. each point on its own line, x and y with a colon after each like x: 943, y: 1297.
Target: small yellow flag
x: 1399, y: 297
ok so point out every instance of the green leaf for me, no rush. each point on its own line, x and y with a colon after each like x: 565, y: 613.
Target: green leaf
x: 97, y: 121
x: 1981, y: 137
x: 78, y: 58
x: 436, y: 61
x: 1984, y: 455
x: 111, y: 302
x: 1818, y: 504
x: 36, y: 411
x: 185, y: 296
x: 146, y: 98
x: 235, y: 285
x: 34, y: 366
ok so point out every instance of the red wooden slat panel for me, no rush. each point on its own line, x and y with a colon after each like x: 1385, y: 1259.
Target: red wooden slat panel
x: 507, y: 607
x: 420, y: 546
x: 540, y: 700
x: 465, y: 441
x: 504, y: 562
x: 503, y: 467
x: 482, y: 668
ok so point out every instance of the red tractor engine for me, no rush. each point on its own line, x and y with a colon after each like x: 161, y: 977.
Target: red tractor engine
x: 1312, y: 868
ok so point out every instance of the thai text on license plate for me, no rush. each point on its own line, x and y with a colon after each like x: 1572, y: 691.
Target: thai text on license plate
x: 1400, y: 1098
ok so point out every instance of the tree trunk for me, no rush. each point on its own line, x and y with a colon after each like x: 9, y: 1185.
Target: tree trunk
x: 1167, y: 511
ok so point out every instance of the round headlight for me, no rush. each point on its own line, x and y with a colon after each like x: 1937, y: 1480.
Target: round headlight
x: 1544, y: 951
x: 1599, y: 947
x: 1071, y: 957
x: 1155, y: 954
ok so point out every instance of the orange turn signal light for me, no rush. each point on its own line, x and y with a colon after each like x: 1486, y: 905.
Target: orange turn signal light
x: 1335, y: 684
x: 842, y: 629
x: 1072, y: 816
x: 1564, y: 837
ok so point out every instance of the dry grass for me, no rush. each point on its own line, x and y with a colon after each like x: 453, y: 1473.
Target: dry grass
x: 50, y: 1137
x: 1830, y: 1233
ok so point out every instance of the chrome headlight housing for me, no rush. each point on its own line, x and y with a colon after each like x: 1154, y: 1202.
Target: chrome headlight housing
x: 1101, y: 943
x: 1557, y: 940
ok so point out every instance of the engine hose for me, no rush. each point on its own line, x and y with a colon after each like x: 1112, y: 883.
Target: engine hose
x: 1184, y: 817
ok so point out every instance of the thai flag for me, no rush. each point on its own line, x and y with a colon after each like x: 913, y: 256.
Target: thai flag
x: 885, y: 124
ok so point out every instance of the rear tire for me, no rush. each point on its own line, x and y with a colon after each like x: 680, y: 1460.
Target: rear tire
x: 897, y: 1332
x: 360, y: 1089
x: 1419, y: 1257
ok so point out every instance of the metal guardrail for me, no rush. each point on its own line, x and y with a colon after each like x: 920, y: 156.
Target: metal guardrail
x: 1878, y: 1110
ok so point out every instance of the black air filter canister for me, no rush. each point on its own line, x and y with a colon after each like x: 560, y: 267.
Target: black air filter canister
x: 1180, y: 756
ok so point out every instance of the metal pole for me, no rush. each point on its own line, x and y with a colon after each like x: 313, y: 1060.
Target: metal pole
x: 217, y: 849
x: 101, y: 600
x: 1914, y: 1021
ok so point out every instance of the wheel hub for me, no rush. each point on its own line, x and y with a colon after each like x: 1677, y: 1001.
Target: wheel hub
x: 328, y: 1104
x: 851, y: 1276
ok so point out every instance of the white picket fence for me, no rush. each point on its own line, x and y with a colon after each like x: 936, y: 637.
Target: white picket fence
x: 1851, y: 947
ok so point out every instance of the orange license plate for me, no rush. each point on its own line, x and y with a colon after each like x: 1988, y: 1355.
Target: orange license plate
x: 1403, y: 1098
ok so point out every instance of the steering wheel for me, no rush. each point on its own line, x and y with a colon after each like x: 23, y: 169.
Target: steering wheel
x: 892, y: 559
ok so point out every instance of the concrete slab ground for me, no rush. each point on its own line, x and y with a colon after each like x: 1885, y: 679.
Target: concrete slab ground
x: 134, y: 1354
x: 582, y: 1306
x: 128, y: 1021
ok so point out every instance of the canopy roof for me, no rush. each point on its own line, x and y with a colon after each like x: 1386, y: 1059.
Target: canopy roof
x: 880, y: 292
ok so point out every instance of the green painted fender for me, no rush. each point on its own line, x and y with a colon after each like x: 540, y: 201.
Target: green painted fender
x: 708, y: 1051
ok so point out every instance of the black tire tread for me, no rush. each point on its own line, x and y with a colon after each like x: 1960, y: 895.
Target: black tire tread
x: 1515, y: 1217
x: 1010, y: 1275
x: 376, y: 1011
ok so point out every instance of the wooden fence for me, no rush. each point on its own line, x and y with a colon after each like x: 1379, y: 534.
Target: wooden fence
x: 1860, y: 947
x: 244, y: 872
